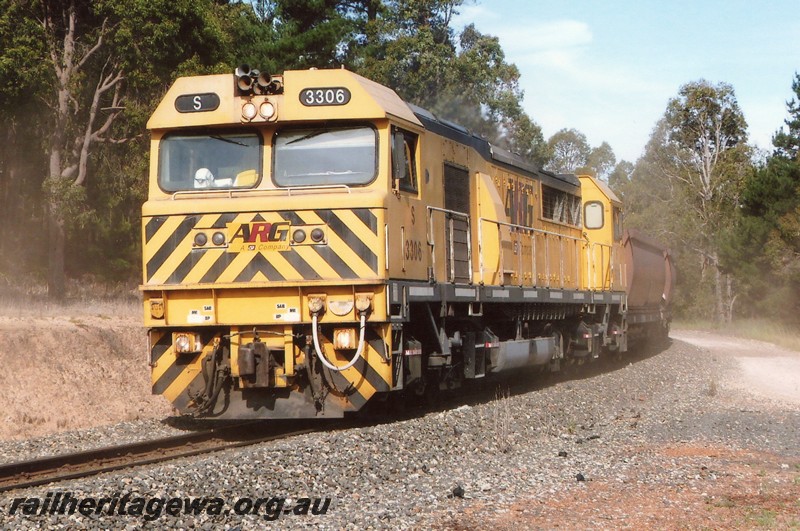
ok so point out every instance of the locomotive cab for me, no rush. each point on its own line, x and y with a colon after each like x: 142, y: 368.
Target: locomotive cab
x: 264, y: 241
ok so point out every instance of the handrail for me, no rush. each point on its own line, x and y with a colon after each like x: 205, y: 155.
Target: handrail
x: 605, y: 276
x: 228, y: 192
x: 432, y: 244
x: 532, y: 232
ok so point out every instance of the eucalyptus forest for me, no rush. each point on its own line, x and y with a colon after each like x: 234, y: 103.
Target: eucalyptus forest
x: 79, y: 78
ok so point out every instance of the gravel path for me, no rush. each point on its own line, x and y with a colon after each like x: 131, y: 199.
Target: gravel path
x: 665, y: 439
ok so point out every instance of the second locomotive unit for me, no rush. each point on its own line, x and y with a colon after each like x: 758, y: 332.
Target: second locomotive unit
x: 312, y: 242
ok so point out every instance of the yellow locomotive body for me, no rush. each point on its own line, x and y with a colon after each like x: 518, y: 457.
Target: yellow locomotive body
x: 312, y: 242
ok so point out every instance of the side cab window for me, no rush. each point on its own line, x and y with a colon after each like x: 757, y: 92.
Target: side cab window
x: 617, y: 224
x: 404, y: 156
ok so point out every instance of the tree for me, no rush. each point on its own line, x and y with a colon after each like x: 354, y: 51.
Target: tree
x: 61, y: 66
x: 83, y: 104
x: 307, y: 33
x: 21, y: 173
x: 601, y: 161
x: 787, y: 143
x: 464, y: 78
x: 690, y: 181
x: 620, y: 178
x: 569, y: 151
x: 768, y: 233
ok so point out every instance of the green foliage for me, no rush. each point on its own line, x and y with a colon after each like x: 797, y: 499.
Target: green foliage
x: 150, y: 42
x: 687, y: 190
x: 705, y: 116
x: 601, y: 161
x: 569, y: 151
x: 620, y: 177
x: 21, y: 50
x: 787, y: 143
x: 154, y: 39
x: 308, y: 33
x: 114, y: 219
x: 768, y: 233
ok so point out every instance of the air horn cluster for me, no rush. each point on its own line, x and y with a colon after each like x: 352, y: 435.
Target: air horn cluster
x: 252, y: 81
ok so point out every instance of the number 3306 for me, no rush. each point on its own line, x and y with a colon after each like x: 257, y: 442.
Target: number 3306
x: 312, y: 97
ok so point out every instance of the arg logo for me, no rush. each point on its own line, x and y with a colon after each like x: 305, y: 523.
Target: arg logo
x: 258, y: 236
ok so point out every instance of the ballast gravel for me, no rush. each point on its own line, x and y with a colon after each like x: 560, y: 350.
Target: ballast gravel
x: 517, y: 442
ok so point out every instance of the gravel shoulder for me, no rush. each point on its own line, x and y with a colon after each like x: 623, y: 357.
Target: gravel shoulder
x: 764, y: 370
x: 666, y: 438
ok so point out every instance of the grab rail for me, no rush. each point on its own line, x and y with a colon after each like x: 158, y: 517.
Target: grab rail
x: 607, y: 275
x: 229, y: 192
x: 450, y: 214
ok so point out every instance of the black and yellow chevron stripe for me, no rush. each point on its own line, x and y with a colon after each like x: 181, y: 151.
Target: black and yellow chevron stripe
x: 370, y: 375
x: 179, y: 377
x: 175, y: 377
x: 170, y: 257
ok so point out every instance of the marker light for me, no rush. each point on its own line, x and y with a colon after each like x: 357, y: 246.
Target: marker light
x: 200, y: 239
x: 317, y: 235
x: 218, y: 238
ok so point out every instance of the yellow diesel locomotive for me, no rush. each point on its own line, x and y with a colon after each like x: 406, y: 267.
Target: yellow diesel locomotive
x: 312, y: 242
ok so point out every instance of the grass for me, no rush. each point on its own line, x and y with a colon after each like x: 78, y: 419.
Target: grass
x: 712, y: 387
x: 23, y: 298
x: 502, y: 419
x: 764, y: 518
x: 759, y: 329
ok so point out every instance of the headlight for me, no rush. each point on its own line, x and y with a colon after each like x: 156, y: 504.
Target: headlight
x: 185, y: 342
x: 266, y: 110
x: 344, y: 338
x: 249, y: 111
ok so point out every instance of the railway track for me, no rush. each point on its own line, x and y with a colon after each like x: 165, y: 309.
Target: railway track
x: 57, y: 468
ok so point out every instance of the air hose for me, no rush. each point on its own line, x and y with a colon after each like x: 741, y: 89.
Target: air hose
x: 321, y: 355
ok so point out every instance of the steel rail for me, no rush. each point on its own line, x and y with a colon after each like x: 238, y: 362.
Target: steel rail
x: 50, y: 469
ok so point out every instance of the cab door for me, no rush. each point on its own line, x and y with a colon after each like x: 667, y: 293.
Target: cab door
x: 408, y: 253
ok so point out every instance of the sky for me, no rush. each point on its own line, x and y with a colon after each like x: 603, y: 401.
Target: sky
x: 608, y: 68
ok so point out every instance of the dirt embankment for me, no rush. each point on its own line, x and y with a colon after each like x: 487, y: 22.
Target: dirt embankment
x: 64, y: 373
